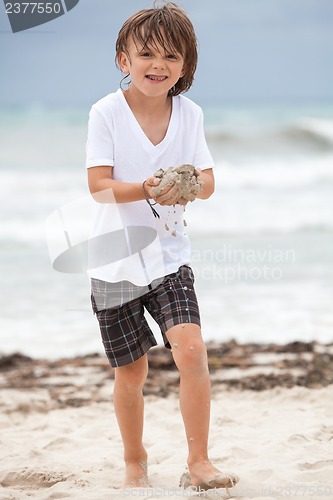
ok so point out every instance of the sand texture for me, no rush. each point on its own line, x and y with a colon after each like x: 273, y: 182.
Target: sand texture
x: 184, y: 176
x: 59, y: 436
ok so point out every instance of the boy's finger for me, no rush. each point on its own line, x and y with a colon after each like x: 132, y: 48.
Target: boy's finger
x: 168, y: 190
x: 153, y: 181
x: 168, y: 198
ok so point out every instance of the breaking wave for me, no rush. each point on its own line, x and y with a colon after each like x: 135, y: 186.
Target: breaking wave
x: 302, y: 135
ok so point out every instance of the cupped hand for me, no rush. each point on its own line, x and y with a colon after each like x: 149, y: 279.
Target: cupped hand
x: 168, y: 195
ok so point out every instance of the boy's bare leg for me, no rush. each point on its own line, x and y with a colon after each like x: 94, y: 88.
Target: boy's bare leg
x: 190, y: 355
x: 129, y: 409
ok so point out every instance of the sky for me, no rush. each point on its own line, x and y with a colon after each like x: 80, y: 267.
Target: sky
x: 249, y: 51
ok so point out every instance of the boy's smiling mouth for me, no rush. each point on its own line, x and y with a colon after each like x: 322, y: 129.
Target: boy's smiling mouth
x: 156, y: 78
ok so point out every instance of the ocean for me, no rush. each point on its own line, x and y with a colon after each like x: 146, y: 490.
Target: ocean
x: 262, y: 246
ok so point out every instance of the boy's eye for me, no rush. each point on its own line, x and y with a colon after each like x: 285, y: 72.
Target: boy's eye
x: 145, y: 54
x: 171, y: 56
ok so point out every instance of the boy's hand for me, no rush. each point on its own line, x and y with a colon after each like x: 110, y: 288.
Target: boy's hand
x: 168, y: 196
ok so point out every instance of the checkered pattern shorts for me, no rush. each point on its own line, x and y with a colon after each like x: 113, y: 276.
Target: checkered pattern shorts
x: 119, y: 308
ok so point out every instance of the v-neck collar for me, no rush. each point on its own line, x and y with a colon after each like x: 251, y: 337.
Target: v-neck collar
x: 136, y: 127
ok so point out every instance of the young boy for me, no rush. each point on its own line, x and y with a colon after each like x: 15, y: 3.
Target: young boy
x: 132, y: 133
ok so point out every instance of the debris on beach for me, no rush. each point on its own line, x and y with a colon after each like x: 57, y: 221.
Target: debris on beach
x: 82, y: 380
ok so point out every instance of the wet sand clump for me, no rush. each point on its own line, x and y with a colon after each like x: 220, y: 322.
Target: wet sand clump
x: 184, y: 176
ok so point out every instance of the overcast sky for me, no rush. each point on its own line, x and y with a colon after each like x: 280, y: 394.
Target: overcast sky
x: 250, y: 50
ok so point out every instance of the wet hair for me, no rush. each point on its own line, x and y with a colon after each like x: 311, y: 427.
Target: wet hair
x: 169, y: 27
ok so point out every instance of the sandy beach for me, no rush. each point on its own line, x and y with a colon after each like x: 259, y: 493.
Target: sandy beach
x: 272, y: 424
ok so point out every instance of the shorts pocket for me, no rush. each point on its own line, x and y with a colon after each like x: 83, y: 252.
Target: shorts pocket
x: 186, y: 273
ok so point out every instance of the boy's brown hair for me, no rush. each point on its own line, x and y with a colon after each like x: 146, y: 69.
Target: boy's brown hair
x: 168, y: 26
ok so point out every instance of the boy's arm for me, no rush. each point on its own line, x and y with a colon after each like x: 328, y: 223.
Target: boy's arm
x: 207, y: 176
x: 105, y: 189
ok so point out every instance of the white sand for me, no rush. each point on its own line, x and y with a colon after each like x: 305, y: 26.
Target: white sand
x: 279, y: 442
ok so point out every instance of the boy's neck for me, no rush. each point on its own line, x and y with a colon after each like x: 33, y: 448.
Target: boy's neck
x: 141, y: 104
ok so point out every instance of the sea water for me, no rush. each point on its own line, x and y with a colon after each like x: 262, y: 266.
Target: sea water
x: 262, y: 246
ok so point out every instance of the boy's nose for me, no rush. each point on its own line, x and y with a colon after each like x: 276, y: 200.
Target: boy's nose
x: 158, y: 63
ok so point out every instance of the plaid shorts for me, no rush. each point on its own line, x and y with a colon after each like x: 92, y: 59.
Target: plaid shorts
x: 125, y: 332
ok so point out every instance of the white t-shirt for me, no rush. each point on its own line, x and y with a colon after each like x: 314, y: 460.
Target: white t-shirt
x: 128, y: 242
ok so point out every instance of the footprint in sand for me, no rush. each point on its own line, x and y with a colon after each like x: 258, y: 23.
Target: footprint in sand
x: 29, y: 478
x: 320, y: 464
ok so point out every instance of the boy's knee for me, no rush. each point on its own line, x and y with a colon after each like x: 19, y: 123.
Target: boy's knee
x: 191, y: 356
x: 133, y: 375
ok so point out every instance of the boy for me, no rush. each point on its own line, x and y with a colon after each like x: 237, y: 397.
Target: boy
x: 133, y: 133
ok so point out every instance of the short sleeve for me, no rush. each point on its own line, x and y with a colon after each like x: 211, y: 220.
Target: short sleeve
x: 202, y: 158
x: 100, y: 147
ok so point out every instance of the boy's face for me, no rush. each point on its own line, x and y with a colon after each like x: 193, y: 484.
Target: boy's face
x: 153, y: 71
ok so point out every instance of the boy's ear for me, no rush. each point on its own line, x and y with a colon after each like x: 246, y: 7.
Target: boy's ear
x: 123, y: 62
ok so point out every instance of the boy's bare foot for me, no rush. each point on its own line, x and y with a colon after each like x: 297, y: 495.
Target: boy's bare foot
x: 204, y: 475
x: 136, y: 475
